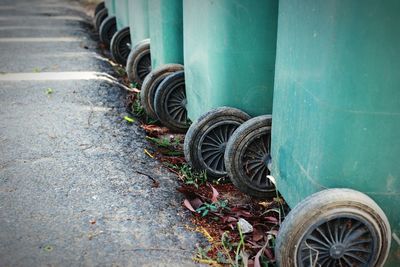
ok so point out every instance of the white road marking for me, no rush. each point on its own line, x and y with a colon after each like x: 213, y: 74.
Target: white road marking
x: 27, y: 27
x: 24, y: 6
x: 31, y: 17
x: 39, y: 39
x: 60, y: 76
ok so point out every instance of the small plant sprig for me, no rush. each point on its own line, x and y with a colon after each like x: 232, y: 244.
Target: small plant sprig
x: 187, y: 174
x: 137, y: 107
x: 164, y: 142
x: 213, y: 207
x: 120, y: 71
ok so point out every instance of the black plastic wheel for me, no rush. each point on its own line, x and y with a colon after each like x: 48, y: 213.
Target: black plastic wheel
x: 138, y: 65
x: 334, y: 227
x: 120, y: 46
x: 100, y: 17
x: 150, y: 84
x: 99, y: 7
x: 170, y: 102
x: 206, y: 139
x: 107, y: 30
x: 247, y: 157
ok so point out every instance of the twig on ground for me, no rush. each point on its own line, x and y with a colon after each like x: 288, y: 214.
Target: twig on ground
x: 155, y: 182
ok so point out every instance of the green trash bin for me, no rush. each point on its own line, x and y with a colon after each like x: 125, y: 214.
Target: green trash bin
x: 139, y: 63
x: 121, y: 41
x: 122, y: 13
x: 110, y: 5
x: 108, y: 26
x: 163, y: 90
x: 336, y: 129
x: 229, y: 71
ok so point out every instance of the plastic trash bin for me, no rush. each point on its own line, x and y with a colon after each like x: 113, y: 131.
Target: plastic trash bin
x: 108, y: 26
x: 121, y: 41
x: 335, y: 135
x: 139, y: 62
x: 163, y: 92
x: 229, y: 62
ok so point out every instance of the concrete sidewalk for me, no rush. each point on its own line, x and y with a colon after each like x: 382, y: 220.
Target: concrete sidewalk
x: 70, y: 194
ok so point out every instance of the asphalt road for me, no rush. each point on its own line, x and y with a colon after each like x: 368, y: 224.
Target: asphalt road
x: 70, y: 191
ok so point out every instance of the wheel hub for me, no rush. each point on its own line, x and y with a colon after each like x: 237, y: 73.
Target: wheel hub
x: 266, y: 159
x: 183, y: 103
x: 222, y: 147
x: 337, y: 251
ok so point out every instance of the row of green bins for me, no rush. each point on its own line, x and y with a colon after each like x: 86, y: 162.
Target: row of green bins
x: 229, y: 71
x: 139, y: 62
x: 335, y: 136
x: 121, y: 41
x: 163, y: 91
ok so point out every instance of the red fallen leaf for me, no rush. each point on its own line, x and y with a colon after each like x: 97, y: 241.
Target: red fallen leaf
x: 196, y: 203
x: 257, y: 235
x: 188, y: 205
x: 154, y: 130
x: 271, y: 219
x: 173, y: 160
x: 215, y: 194
x: 241, y: 213
x: 232, y: 226
x: 229, y: 219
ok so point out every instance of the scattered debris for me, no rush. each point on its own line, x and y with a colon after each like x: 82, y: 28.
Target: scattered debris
x: 156, y: 183
x: 49, y: 91
x: 245, y: 226
x: 129, y: 119
x: 48, y: 248
x: 148, y: 153
x: 240, y: 230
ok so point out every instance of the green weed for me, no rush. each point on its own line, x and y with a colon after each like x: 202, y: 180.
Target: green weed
x: 164, y: 142
x: 187, y: 174
x: 134, y: 85
x: 137, y: 107
x: 213, y: 207
x: 120, y: 71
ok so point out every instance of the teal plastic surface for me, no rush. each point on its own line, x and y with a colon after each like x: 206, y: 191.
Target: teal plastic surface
x: 336, y: 116
x: 166, y: 33
x: 229, y: 50
x: 138, y: 20
x: 110, y: 5
x: 122, y: 13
